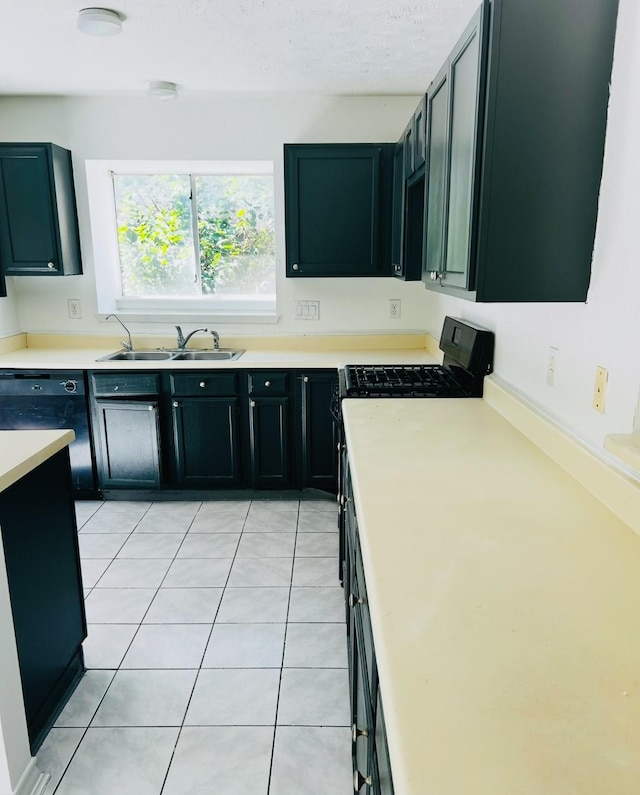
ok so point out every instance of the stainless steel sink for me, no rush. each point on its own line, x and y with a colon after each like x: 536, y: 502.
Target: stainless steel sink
x: 136, y: 356
x: 223, y: 354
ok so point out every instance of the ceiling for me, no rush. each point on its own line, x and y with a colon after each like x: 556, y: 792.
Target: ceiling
x: 294, y: 46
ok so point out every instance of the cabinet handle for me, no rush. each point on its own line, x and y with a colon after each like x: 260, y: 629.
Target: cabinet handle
x: 296, y: 266
x: 267, y: 383
x: 175, y: 404
x: 203, y: 384
x: 306, y: 379
x: 359, y: 781
x: 51, y: 266
x: 356, y: 732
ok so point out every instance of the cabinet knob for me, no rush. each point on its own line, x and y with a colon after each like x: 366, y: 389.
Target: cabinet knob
x: 296, y: 266
x: 150, y: 408
x: 252, y: 403
x: 202, y: 384
x: 356, y: 732
x: 306, y: 379
x: 51, y: 266
x: 175, y: 404
x: 433, y: 275
x: 267, y: 383
x: 353, y: 601
x: 359, y: 781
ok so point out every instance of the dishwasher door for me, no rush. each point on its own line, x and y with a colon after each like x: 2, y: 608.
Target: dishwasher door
x: 37, y: 400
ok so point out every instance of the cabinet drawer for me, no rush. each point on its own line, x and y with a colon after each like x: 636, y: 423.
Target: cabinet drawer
x: 268, y: 383
x: 125, y: 383
x: 197, y: 384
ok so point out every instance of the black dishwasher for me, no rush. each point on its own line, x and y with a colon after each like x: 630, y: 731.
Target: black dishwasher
x: 51, y: 400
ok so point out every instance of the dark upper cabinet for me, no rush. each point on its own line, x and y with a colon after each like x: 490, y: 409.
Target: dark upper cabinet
x: 397, y: 219
x: 407, y: 231
x: 38, y: 219
x: 338, y: 209
x: 515, y: 140
x: 318, y: 437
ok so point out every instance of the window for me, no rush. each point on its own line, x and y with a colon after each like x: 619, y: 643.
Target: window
x: 199, y: 240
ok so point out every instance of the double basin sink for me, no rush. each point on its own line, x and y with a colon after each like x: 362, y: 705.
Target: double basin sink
x: 219, y: 355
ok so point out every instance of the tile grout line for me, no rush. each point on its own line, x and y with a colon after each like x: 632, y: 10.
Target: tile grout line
x: 204, y: 652
x: 284, y: 648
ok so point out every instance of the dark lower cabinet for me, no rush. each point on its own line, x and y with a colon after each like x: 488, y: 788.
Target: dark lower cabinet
x: 40, y: 543
x: 371, y: 765
x: 206, y: 442
x: 126, y: 427
x: 269, y: 442
x: 215, y: 429
x: 128, y: 443
x: 318, y: 435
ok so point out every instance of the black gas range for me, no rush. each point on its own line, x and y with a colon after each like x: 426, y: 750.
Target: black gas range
x: 468, y: 357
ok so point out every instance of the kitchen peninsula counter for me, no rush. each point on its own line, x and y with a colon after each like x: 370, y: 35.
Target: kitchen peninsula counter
x: 504, y: 600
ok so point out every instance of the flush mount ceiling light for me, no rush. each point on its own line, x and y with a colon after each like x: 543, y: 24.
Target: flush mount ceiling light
x: 99, y: 22
x: 160, y: 89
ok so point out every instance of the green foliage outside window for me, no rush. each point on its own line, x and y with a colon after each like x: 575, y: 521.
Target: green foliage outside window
x: 235, y: 234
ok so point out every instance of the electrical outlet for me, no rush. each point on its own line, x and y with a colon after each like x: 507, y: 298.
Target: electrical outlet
x: 394, y: 308
x: 600, y: 389
x: 75, y: 310
x: 552, y: 365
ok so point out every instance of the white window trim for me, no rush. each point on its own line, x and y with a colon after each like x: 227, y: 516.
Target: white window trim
x: 104, y: 233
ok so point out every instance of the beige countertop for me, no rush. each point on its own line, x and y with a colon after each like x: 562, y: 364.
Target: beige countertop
x: 504, y: 600
x: 23, y: 451
x: 67, y: 352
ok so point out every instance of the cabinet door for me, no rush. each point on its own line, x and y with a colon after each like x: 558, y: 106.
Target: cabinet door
x: 319, y: 437
x: 38, y: 220
x: 269, y: 439
x: 337, y: 209
x: 127, y: 443
x: 464, y: 83
x: 205, y: 435
x: 397, y: 210
x: 437, y: 158
x: 419, y: 133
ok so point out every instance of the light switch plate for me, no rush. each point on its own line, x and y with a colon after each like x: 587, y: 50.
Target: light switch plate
x: 307, y: 310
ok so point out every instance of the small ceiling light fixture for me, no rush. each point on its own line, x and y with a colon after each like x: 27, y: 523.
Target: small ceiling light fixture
x: 99, y: 22
x: 160, y: 89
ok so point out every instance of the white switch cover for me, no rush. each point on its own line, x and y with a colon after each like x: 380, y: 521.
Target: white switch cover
x: 307, y: 310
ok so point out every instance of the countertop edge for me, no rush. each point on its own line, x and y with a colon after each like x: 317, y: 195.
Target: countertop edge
x: 22, y: 451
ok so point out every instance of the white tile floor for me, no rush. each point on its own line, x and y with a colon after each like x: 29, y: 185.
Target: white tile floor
x: 216, y: 653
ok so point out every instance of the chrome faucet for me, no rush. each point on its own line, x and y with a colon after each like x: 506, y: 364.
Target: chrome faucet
x: 128, y: 346
x: 216, y: 340
x: 182, y: 340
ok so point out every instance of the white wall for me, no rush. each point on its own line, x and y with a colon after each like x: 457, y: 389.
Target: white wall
x: 8, y: 313
x: 606, y: 330
x: 218, y: 127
